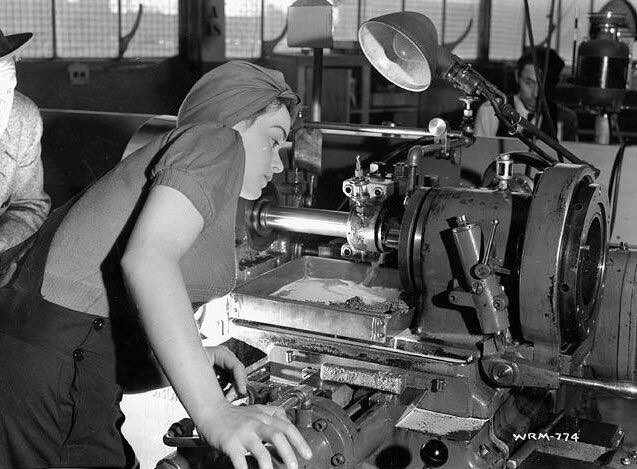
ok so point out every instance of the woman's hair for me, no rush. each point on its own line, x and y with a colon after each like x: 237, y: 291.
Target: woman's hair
x: 273, y: 105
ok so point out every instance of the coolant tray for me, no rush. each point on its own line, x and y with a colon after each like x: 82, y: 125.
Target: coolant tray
x: 253, y: 302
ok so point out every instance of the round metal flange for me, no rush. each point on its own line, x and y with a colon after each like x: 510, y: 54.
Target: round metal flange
x: 559, y: 279
x: 336, y: 441
x: 365, y: 233
x: 582, y: 266
x: 407, y: 238
x: 259, y: 238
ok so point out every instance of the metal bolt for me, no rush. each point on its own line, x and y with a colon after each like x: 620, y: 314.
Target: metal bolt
x: 511, y: 464
x: 289, y: 356
x: 626, y: 461
x: 319, y: 425
x: 452, y: 298
x: 378, y: 192
x: 484, y: 451
x: 338, y: 459
x: 498, y: 304
x: 482, y: 270
x: 477, y: 288
x: 503, y: 373
x: 307, y: 372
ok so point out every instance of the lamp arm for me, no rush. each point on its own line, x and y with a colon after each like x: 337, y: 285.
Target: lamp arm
x: 464, y: 77
x: 517, y: 125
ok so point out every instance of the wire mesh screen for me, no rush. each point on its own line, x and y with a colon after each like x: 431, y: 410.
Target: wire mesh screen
x: 243, y: 22
x: 432, y: 9
x: 459, y: 15
x: 506, y: 30
x: 373, y: 8
x: 507, y: 26
x: 345, y: 20
x: 18, y: 16
x: 243, y: 28
x: 158, y: 31
x: 274, y: 21
x: 86, y: 29
x: 90, y: 29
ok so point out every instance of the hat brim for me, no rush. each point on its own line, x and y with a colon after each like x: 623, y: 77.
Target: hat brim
x: 16, y: 42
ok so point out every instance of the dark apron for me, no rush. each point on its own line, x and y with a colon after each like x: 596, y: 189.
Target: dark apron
x: 59, y: 397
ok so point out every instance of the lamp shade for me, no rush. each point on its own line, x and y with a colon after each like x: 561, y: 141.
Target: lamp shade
x: 403, y: 47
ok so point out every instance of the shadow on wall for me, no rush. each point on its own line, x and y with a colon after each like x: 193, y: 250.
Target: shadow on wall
x: 79, y: 147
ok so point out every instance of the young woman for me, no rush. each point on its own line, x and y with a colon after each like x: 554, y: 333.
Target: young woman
x: 147, y: 240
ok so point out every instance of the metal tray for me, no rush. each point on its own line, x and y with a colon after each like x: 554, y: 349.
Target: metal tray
x: 252, y: 302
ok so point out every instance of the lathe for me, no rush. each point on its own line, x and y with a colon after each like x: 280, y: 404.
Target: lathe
x: 511, y: 306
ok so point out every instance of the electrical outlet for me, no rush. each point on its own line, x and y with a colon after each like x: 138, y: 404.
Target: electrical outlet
x: 79, y: 73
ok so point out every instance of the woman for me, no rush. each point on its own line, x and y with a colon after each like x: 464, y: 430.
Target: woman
x: 151, y: 237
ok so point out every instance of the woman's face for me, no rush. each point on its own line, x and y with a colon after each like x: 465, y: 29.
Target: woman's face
x: 261, y: 141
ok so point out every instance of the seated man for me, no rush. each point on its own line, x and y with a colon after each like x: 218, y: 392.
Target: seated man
x: 564, y: 119
x: 23, y: 203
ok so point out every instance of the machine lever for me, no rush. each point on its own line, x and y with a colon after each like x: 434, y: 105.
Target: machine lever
x: 487, y: 251
x: 618, y: 388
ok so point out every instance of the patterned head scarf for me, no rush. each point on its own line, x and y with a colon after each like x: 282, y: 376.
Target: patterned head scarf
x: 233, y: 92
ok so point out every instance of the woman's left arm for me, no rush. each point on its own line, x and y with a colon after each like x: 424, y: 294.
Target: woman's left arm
x: 166, y: 228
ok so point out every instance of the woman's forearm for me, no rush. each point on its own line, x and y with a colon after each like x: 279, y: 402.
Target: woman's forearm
x: 157, y: 287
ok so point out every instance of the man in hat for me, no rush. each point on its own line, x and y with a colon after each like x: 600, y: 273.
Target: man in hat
x: 23, y: 203
x: 524, y: 101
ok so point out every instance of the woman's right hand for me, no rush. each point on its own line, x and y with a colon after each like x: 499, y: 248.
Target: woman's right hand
x: 235, y: 430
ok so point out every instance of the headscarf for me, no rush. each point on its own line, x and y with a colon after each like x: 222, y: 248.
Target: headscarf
x: 233, y: 92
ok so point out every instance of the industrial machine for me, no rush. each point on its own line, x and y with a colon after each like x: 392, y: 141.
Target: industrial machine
x: 501, y: 329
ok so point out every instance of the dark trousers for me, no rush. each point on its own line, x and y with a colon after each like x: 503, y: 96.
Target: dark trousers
x: 59, y: 396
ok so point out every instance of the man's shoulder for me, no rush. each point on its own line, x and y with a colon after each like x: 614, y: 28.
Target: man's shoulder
x: 24, y: 107
x: 486, y: 103
x: 24, y: 127
x: 486, y: 107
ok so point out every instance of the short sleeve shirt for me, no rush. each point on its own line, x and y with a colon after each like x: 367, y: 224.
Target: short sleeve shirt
x: 204, y: 162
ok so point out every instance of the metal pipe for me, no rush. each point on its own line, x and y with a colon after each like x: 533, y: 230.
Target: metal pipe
x: 317, y: 84
x: 484, y: 30
x: 305, y: 220
x: 54, y: 30
x: 451, y: 144
x: 539, y: 74
x: 619, y: 388
x: 374, y: 129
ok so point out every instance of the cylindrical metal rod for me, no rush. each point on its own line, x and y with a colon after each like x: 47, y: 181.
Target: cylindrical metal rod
x: 317, y: 84
x: 305, y: 220
x: 619, y: 388
x: 373, y: 129
x: 451, y: 144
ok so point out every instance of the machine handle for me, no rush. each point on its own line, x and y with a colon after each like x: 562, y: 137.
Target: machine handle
x: 180, y: 434
x: 489, y: 248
